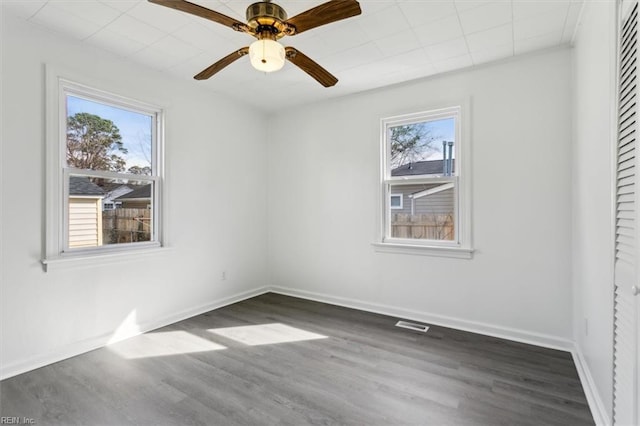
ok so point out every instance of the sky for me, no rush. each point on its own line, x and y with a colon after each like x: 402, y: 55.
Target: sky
x: 442, y: 130
x: 135, y: 128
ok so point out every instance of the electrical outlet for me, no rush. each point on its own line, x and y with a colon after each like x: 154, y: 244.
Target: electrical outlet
x: 223, y: 275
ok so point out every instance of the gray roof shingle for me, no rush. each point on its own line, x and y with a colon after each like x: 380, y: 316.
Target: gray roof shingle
x: 431, y: 167
x: 141, y: 192
x: 81, y: 185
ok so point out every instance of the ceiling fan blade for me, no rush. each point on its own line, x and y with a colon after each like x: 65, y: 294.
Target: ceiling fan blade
x: 326, y: 13
x: 203, y: 12
x: 309, y: 66
x: 222, y: 63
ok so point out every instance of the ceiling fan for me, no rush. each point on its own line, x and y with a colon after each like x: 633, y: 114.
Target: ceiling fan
x: 268, y: 23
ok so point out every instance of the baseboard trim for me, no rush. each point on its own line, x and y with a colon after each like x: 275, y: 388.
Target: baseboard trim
x: 522, y: 336
x: 97, y: 342
x: 598, y: 410
x: 594, y: 400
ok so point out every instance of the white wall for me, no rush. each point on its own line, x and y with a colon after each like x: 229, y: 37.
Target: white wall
x: 592, y: 191
x: 323, y: 188
x: 323, y: 183
x: 217, y: 199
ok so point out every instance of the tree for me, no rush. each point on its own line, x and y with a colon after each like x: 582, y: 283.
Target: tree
x: 410, y: 143
x: 137, y: 170
x: 94, y: 143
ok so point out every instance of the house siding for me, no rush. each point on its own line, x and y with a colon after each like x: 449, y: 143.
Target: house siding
x: 438, y: 203
x: 85, y: 222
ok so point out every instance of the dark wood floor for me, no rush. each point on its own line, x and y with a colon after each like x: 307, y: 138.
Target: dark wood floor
x: 344, y: 367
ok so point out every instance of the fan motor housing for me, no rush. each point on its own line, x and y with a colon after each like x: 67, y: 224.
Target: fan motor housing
x: 266, y: 15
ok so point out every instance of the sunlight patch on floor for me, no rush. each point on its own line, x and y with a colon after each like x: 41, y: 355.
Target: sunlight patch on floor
x: 265, y: 334
x: 163, y: 344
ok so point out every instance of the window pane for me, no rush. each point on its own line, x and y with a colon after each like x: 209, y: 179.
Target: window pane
x: 424, y: 148
x: 104, y: 137
x: 105, y: 211
x: 427, y: 212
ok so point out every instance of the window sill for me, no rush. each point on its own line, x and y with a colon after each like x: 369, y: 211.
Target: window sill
x: 85, y: 260
x: 423, y: 250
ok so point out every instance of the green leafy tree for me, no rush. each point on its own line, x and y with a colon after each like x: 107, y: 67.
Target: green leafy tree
x: 94, y: 143
x: 410, y: 143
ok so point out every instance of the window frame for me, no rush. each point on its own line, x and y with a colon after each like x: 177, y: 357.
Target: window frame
x: 401, y: 206
x: 460, y: 246
x: 57, y: 248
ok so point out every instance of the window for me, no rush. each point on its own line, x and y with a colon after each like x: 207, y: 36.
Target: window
x: 395, y: 201
x: 425, y: 196
x: 104, y: 161
x: 106, y: 205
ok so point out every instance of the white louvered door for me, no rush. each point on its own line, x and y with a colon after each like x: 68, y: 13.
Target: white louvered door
x: 626, y: 320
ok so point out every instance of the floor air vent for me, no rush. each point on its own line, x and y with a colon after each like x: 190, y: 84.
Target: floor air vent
x: 412, y: 326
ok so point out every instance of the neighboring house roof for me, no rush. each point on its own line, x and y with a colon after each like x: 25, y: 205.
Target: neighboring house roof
x: 431, y: 167
x: 143, y: 192
x: 117, y: 191
x: 431, y: 191
x: 81, y: 185
x: 113, y: 186
x: 110, y: 186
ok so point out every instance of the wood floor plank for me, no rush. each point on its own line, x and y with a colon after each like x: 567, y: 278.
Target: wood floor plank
x: 359, y: 369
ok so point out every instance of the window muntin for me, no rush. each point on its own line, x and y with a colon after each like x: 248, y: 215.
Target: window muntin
x: 110, y: 153
x: 420, y: 162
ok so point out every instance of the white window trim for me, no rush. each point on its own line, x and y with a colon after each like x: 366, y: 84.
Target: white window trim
x: 57, y: 85
x: 461, y: 247
x: 401, y: 206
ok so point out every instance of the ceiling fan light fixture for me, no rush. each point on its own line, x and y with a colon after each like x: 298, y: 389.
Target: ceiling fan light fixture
x: 268, y: 22
x: 266, y: 55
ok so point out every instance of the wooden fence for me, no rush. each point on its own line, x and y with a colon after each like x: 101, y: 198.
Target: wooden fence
x: 126, y: 225
x: 422, y: 226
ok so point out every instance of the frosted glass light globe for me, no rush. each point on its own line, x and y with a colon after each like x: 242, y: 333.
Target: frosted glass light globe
x: 266, y: 55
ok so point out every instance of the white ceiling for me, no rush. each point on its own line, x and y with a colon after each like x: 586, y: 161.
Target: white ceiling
x: 391, y: 42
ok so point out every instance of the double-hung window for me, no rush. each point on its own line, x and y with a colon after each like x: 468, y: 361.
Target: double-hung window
x: 425, y: 207
x: 104, y: 172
